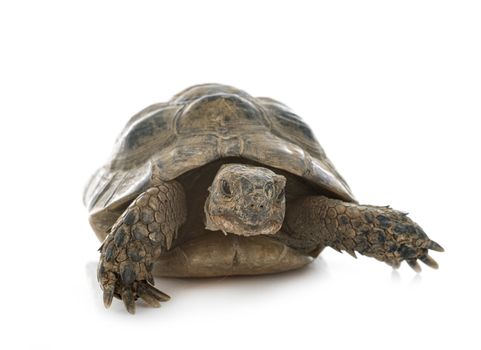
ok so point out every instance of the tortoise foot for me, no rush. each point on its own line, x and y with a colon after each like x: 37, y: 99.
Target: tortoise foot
x: 126, y: 284
x: 383, y: 233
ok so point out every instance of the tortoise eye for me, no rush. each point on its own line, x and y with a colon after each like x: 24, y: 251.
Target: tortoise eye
x: 224, y: 185
x: 269, y: 189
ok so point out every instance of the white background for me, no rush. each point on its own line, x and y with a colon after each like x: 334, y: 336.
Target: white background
x: 392, y: 91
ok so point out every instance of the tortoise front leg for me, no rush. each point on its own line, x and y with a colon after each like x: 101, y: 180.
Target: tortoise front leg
x: 136, y: 240
x: 379, y: 232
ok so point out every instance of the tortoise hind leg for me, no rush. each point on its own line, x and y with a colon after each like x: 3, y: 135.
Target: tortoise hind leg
x: 379, y: 232
x: 136, y: 240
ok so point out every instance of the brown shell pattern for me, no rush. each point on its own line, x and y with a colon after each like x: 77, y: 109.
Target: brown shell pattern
x: 202, y: 124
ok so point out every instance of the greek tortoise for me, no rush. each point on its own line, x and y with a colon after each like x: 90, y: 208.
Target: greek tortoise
x: 216, y: 183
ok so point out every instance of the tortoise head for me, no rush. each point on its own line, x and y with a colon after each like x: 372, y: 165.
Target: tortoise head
x: 246, y: 200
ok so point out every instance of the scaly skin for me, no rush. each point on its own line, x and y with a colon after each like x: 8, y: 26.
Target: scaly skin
x: 379, y: 232
x: 136, y: 240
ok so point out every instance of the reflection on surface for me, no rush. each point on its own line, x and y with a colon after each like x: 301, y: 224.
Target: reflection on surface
x: 223, y: 287
x: 396, y: 277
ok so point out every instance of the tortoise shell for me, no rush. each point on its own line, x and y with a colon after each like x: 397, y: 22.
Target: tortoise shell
x: 200, y: 125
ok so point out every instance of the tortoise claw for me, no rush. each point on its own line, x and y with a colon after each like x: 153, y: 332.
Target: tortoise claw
x: 157, y: 294
x: 413, y: 263
x: 146, y: 296
x: 129, y: 300
x: 108, y: 296
x: 435, y: 246
x: 429, y: 262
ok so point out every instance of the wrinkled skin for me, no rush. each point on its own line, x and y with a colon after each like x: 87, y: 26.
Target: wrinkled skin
x: 246, y: 200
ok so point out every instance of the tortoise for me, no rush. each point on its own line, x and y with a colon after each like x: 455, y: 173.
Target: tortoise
x: 216, y: 182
